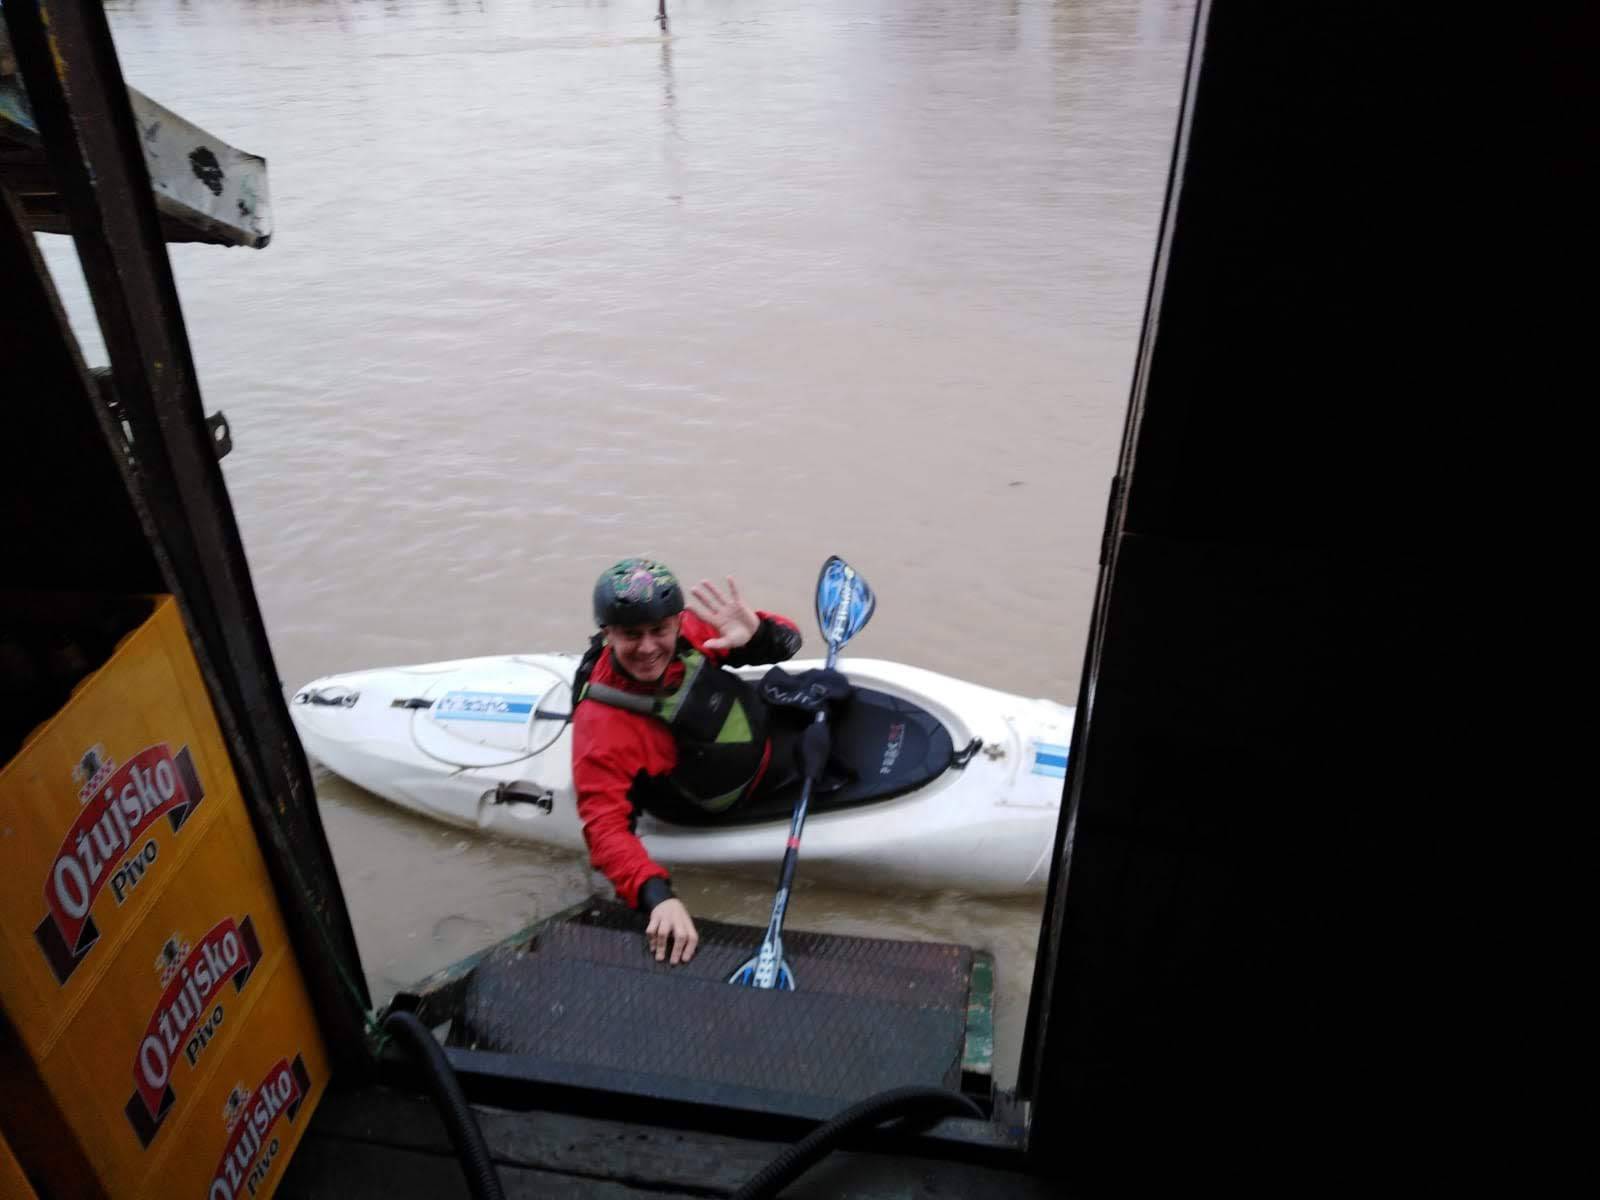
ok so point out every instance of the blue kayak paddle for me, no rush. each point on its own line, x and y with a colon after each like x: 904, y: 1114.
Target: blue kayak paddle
x: 844, y: 605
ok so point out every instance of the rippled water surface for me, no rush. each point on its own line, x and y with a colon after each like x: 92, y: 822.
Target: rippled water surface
x: 551, y: 285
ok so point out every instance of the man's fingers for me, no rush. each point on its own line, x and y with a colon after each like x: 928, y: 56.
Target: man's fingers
x: 684, y: 942
x: 670, y: 922
x: 711, y: 588
x: 733, y: 592
x: 654, y: 941
x: 716, y: 643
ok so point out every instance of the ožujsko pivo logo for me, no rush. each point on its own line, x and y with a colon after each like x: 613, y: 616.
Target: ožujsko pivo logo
x: 188, y: 1014
x: 251, y: 1118
x: 106, y: 844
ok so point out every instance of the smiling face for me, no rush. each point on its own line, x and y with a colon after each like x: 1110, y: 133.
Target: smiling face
x: 643, y: 651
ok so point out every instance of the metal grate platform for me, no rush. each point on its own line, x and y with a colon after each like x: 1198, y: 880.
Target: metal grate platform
x: 917, y: 974
x: 584, y: 1002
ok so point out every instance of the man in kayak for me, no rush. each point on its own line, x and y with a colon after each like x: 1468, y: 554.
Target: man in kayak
x: 660, y: 725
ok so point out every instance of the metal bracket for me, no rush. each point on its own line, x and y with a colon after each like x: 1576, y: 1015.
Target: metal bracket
x: 221, y: 435
x: 106, y: 387
x: 216, y: 424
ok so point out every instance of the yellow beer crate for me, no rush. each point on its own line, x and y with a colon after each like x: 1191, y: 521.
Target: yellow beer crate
x: 250, y: 1113
x: 143, y: 956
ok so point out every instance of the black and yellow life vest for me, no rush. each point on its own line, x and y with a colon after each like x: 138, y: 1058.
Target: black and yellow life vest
x: 717, y: 721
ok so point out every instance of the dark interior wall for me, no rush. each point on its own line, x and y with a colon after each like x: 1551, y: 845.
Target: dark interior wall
x: 69, y: 523
x: 1222, y: 784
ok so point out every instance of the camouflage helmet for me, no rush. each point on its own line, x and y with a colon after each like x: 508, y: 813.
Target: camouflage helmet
x: 637, y: 591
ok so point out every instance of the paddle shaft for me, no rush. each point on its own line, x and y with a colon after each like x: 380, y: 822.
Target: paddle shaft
x: 838, y: 591
x: 796, y: 824
x: 791, y: 858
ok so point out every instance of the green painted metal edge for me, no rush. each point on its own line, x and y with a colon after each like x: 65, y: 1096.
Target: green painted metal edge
x: 977, y: 1058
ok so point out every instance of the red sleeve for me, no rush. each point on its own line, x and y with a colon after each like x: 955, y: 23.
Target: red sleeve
x: 602, y: 775
x: 779, y: 619
x: 698, y: 632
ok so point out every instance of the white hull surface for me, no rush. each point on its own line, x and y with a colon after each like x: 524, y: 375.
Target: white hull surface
x: 468, y: 742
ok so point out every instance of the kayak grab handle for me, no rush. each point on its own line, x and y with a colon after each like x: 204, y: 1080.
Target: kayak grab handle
x: 332, y: 696
x: 519, y: 792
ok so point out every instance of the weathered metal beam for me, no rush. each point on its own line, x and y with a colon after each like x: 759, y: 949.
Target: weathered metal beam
x: 95, y: 151
x: 205, y: 189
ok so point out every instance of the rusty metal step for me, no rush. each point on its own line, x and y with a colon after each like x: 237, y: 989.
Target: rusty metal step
x: 583, y: 1002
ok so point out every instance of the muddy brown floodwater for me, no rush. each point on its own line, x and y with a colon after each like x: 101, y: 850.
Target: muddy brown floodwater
x: 551, y: 286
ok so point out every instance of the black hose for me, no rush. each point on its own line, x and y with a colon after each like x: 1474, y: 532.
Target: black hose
x: 482, y: 1178
x: 926, y: 1102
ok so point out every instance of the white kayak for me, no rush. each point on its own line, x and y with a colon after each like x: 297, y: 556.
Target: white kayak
x: 956, y: 785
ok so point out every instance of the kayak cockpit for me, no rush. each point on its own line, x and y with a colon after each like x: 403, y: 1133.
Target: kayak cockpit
x: 883, y: 746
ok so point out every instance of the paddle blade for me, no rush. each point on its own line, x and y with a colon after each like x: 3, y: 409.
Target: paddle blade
x: 844, y: 602
x: 745, y: 976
